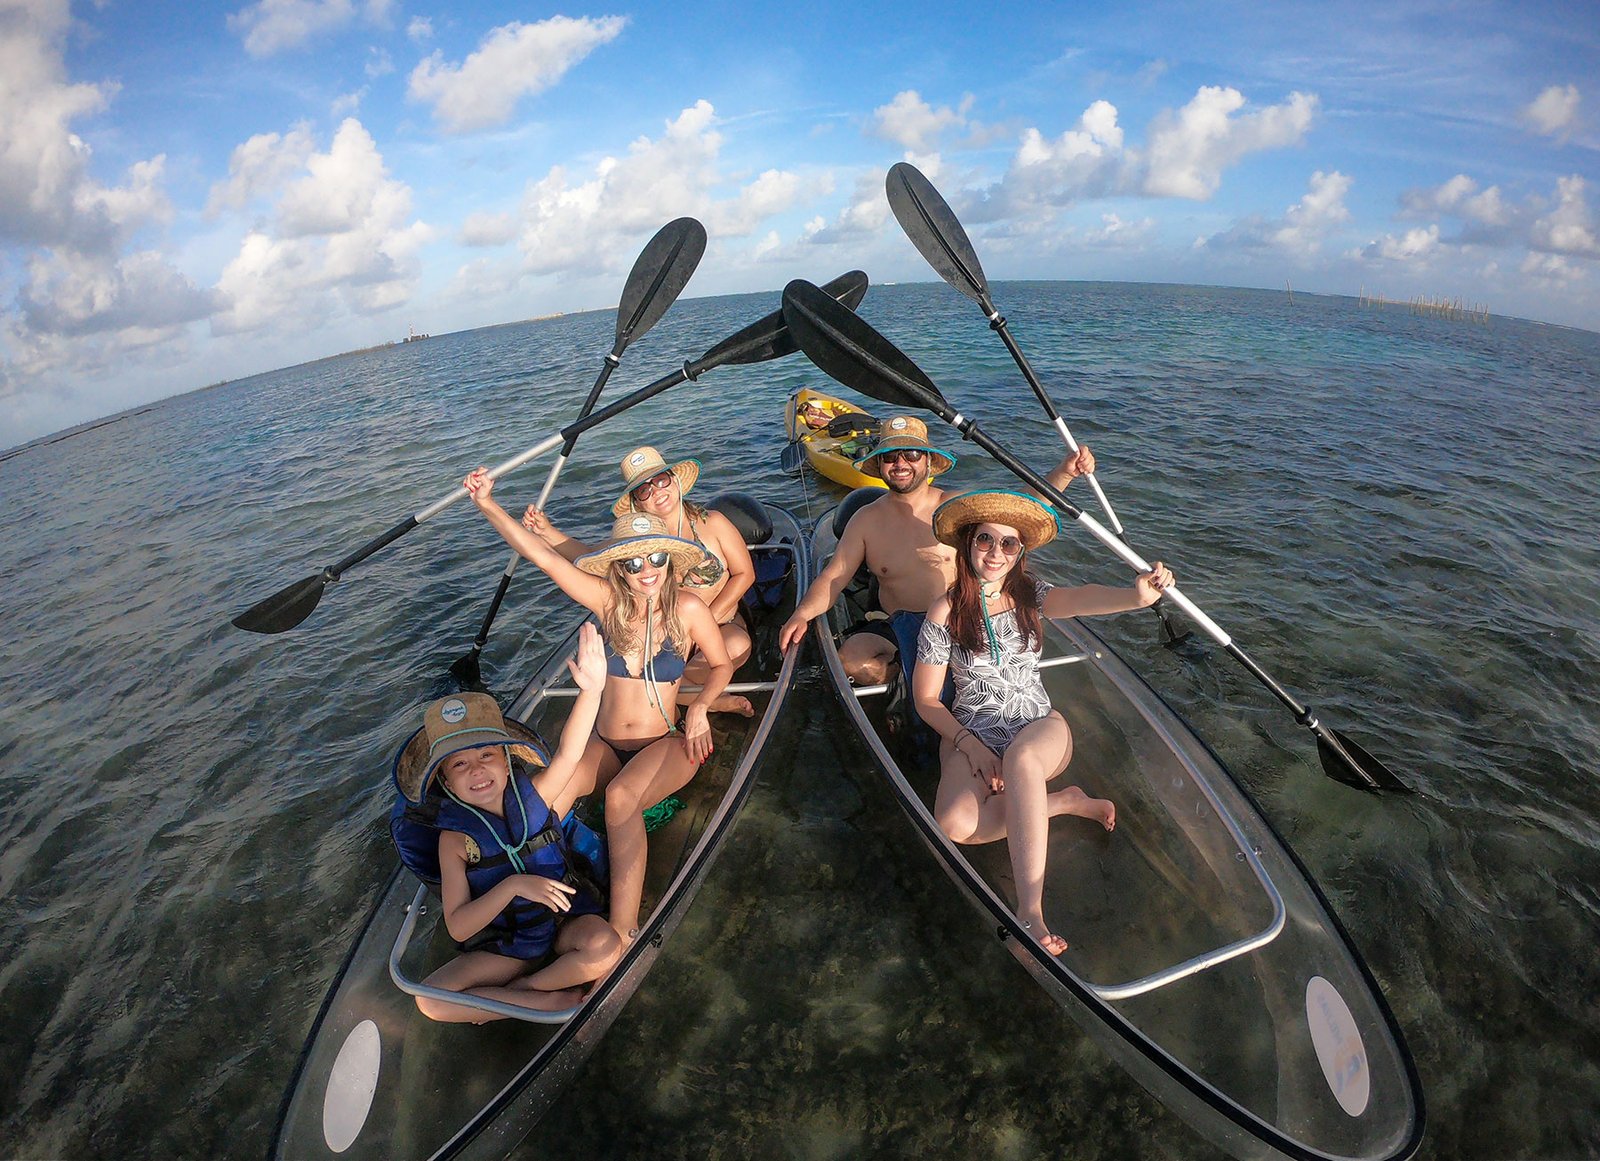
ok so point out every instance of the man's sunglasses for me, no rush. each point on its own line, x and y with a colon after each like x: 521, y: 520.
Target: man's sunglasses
x: 634, y: 565
x: 911, y: 455
x: 984, y: 541
x: 653, y: 484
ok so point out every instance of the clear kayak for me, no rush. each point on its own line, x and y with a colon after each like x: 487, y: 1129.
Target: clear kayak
x: 379, y: 1080
x: 1202, y: 957
x: 832, y: 447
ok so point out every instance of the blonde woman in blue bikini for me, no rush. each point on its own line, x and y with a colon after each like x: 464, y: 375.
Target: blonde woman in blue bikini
x: 1001, y: 742
x: 651, y: 485
x: 639, y: 752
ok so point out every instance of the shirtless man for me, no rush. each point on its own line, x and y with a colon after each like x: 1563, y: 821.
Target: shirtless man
x: 893, y: 535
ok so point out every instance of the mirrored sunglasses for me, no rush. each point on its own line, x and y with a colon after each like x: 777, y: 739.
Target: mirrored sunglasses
x: 911, y: 455
x: 634, y: 565
x: 656, y: 482
x: 984, y: 541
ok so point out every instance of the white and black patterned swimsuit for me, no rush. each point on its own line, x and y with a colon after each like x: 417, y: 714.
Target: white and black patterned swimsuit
x: 993, y: 701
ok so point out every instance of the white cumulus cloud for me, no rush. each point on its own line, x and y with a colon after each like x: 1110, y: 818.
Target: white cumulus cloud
x: 1570, y: 227
x: 1460, y: 197
x: 1189, y: 149
x: 342, y: 238
x: 514, y: 61
x: 1414, y: 245
x: 915, y: 125
x: 1554, y: 111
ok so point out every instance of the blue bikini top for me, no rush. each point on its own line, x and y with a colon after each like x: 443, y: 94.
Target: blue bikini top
x: 666, y: 666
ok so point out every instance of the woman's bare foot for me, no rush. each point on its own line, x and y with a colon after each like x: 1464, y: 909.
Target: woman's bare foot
x: 1050, y: 941
x: 732, y: 703
x: 1073, y: 800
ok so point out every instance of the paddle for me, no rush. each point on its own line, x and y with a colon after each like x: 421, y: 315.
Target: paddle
x: 937, y: 233
x: 766, y: 338
x: 658, y: 276
x: 848, y: 349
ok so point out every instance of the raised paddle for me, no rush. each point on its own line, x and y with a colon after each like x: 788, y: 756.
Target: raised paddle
x: 658, y: 276
x: 766, y: 338
x: 937, y: 233
x: 848, y: 349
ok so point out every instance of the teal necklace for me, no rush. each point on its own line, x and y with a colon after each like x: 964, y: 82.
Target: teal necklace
x: 988, y: 625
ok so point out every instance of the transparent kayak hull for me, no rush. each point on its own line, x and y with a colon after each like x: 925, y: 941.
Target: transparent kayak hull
x: 1202, y: 956
x: 379, y: 1080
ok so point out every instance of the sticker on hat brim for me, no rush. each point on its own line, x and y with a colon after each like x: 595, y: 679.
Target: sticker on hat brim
x: 898, y: 423
x: 453, y: 710
x: 636, y: 458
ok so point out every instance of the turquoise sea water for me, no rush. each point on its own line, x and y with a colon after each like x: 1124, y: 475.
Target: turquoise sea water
x: 1393, y: 514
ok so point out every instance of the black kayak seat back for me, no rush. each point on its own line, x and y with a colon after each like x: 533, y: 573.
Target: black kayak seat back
x: 851, y: 422
x: 852, y: 504
x: 747, y: 514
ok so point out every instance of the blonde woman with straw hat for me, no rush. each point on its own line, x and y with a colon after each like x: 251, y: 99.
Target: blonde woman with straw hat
x: 639, y: 752
x: 1001, y: 742
x: 652, y: 486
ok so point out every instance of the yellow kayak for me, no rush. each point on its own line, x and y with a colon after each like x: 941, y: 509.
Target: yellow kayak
x: 814, y: 421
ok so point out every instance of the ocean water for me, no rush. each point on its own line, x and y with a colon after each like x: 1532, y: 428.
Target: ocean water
x: 1393, y: 514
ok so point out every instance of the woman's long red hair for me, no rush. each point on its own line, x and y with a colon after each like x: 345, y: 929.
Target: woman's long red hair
x: 966, y: 599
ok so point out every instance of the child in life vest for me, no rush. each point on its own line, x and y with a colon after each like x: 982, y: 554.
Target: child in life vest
x: 507, y: 879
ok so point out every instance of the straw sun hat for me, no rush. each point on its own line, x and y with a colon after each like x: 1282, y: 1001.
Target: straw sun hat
x: 462, y: 721
x: 905, y: 431
x: 644, y: 463
x: 640, y: 534
x: 1035, y: 523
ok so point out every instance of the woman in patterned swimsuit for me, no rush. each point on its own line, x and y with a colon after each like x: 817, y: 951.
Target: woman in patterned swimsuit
x: 1000, y: 741
x: 650, y: 485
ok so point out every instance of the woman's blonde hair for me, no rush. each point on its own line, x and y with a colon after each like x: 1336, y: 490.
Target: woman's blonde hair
x: 625, y: 606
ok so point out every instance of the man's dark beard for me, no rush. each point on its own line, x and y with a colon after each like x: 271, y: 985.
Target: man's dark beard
x: 917, y: 480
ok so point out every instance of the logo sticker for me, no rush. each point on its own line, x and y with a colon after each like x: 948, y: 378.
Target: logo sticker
x: 898, y: 423
x: 474, y: 855
x: 453, y: 711
x: 636, y: 458
x: 641, y: 524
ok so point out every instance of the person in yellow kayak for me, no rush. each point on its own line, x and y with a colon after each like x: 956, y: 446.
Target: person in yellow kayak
x: 1001, y: 742
x: 651, y: 485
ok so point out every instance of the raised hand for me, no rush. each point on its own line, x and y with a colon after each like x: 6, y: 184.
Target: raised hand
x: 588, y: 665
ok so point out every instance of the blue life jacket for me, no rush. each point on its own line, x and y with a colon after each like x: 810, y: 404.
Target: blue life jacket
x: 565, y: 850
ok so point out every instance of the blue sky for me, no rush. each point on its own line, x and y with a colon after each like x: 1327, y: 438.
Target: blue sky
x: 195, y: 192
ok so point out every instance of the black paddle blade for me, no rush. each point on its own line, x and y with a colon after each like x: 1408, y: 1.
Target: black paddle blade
x: 1345, y: 761
x: 793, y: 458
x: 284, y: 609
x: 659, y: 275
x: 935, y: 231
x: 769, y: 338
x: 846, y: 348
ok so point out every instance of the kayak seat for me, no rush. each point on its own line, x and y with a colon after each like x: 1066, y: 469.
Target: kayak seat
x: 850, y: 423
x: 747, y: 515
x: 852, y: 504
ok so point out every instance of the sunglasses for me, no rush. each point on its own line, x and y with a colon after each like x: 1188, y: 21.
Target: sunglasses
x: 911, y: 455
x: 984, y: 541
x: 654, y: 484
x: 634, y: 565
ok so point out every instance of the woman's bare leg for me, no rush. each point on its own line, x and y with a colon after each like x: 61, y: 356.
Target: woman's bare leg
x: 1035, y: 755
x: 655, y: 772
x: 695, y: 673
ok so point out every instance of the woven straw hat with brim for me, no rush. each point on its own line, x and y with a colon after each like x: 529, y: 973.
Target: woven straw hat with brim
x: 1035, y: 523
x: 644, y: 463
x: 640, y: 534
x: 462, y: 721
x: 905, y: 431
